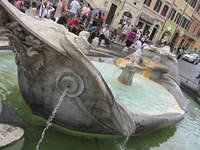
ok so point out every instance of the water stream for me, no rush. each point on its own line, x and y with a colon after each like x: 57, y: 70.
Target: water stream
x: 123, y: 145
x: 51, y: 117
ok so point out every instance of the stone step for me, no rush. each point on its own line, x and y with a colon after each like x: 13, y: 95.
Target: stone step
x: 9, y: 134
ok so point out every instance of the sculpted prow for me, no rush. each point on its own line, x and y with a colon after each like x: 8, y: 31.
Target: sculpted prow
x: 48, y: 63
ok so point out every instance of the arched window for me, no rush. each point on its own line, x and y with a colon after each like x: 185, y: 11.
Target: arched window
x: 147, y: 2
x: 165, y: 10
x: 127, y: 14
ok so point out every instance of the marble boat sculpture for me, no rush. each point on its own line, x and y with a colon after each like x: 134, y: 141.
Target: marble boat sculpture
x: 51, y: 60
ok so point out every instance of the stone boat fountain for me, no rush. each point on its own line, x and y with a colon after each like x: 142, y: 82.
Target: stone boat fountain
x: 101, y: 95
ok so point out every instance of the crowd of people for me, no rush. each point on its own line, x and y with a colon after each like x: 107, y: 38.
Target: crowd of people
x: 78, y: 16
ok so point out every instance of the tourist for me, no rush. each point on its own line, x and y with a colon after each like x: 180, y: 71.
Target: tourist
x: 89, y: 19
x: 131, y: 38
x: 20, y: 4
x: 32, y: 11
x: 46, y: 10
x: 63, y: 19
x: 59, y: 9
x: 145, y: 37
x: 94, y: 31
x: 43, y: 9
x: 92, y: 27
x: 66, y: 4
x: 139, y: 33
x: 74, y: 7
x: 85, y: 12
x: 113, y: 35
x: 137, y: 44
x: 104, y: 35
x: 125, y: 30
x: 101, y: 19
x: 180, y: 53
x: 73, y: 25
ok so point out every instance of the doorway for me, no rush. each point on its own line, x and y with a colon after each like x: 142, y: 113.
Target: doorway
x: 154, y: 31
x: 174, y: 39
x: 111, y: 14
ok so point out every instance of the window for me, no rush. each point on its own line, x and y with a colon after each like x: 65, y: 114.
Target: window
x: 188, y: 25
x: 158, y: 5
x: 193, y: 3
x: 165, y: 10
x: 185, y: 23
x: 172, y: 14
x: 147, y: 2
x: 178, y: 18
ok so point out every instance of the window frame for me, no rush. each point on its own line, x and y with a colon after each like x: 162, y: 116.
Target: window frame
x: 158, y: 6
x: 166, y: 10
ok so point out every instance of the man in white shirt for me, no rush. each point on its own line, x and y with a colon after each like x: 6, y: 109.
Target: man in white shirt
x: 105, y: 35
x: 74, y: 7
x: 125, y: 30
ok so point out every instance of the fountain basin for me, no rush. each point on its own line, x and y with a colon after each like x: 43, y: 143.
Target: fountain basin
x: 49, y: 62
x: 144, y: 95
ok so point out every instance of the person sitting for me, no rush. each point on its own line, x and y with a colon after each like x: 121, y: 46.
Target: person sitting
x: 73, y: 25
x: 93, y: 34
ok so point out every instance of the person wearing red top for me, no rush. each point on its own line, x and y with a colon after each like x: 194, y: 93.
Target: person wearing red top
x: 73, y: 25
x: 73, y: 21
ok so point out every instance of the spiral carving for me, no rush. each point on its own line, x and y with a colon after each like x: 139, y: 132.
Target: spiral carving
x: 72, y: 82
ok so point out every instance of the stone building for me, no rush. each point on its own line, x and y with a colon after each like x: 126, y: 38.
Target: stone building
x: 171, y: 21
x: 184, y: 35
x: 116, y: 9
x: 174, y: 21
x: 153, y: 17
x: 196, y: 28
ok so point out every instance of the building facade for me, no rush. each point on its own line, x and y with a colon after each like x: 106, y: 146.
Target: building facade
x: 174, y: 21
x: 117, y: 9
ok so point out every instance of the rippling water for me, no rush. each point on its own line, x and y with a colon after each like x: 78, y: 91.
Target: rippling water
x: 183, y: 136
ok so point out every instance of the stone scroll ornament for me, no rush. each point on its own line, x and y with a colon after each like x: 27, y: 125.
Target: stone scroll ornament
x: 49, y: 61
x: 29, y: 49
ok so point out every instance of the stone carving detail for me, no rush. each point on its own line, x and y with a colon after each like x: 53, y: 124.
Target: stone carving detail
x: 72, y: 82
x: 29, y: 49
